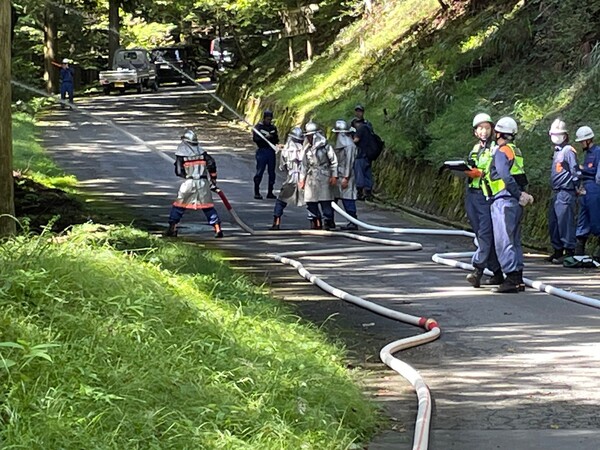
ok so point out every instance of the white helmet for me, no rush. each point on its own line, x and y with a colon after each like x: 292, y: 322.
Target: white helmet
x: 341, y: 126
x: 66, y: 61
x: 310, y: 128
x: 190, y: 137
x: 296, y: 134
x: 506, y: 125
x: 558, y: 127
x: 583, y: 134
x: 481, y: 118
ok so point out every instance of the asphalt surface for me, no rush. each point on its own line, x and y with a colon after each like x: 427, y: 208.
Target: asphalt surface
x: 516, y: 371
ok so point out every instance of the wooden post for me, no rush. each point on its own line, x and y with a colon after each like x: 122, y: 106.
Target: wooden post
x: 309, y: 50
x: 7, y: 201
x: 291, y: 52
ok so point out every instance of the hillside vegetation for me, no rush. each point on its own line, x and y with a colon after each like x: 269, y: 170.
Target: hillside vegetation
x: 431, y: 71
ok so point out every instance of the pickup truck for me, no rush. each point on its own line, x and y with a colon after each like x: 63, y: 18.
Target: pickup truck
x: 131, y: 69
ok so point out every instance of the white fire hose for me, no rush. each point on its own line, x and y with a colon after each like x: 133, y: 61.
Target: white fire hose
x: 431, y: 327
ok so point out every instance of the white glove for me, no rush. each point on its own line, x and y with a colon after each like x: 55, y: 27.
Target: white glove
x: 525, y: 199
x: 264, y: 133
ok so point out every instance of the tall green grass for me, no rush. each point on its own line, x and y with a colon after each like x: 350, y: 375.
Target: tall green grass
x: 112, y: 339
x: 30, y: 157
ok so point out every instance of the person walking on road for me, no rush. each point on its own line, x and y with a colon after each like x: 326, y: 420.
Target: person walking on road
x: 345, y: 152
x: 564, y: 180
x: 265, y: 153
x: 318, y: 177
x: 588, y: 221
x: 290, y: 161
x: 199, y: 170
x: 504, y: 183
x: 478, y: 206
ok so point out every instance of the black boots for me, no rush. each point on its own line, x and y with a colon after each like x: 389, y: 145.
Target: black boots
x: 580, y: 247
x: 172, y: 230
x: 218, y: 230
x: 474, y: 278
x: 315, y: 224
x: 350, y: 226
x: 270, y: 193
x: 257, y: 195
x: 556, y: 257
x: 512, y: 284
x: 495, y: 279
x: 276, y: 223
x: 329, y: 224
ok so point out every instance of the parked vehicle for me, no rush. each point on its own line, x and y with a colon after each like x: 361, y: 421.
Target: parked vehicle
x: 131, y: 69
x: 175, y: 62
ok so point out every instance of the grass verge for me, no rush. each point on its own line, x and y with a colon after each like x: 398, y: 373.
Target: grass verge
x: 110, y: 338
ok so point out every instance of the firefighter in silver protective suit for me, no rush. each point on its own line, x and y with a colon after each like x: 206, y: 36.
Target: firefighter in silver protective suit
x: 318, y: 177
x: 199, y: 170
x: 290, y: 161
x: 346, y: 151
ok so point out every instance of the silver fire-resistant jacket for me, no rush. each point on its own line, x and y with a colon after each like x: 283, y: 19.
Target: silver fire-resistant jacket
x: 194, y: 192
x: 346, y: 151
x: 290, y: 161
x: 318, y: 165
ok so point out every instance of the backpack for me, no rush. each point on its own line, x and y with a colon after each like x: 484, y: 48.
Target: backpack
x: 580, y: 262
x: 374, y: 152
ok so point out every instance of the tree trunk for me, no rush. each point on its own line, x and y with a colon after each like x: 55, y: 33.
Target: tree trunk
x: 50, y: 50
x: 443, y: 5
x: 114, y: 29
x: 7, y: 200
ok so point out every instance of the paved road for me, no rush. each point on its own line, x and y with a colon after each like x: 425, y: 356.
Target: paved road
x: 509, y: 372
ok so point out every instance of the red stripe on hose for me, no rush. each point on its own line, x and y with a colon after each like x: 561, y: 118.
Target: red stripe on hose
x: 431, y: 324
x: 422, y: 321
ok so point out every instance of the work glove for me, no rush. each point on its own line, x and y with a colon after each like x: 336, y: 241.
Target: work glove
x: 474, y: 173
x: 525, y: 199
x: 265, y: 133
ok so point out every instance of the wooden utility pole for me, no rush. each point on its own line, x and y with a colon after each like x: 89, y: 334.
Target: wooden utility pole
x: 7, y: 200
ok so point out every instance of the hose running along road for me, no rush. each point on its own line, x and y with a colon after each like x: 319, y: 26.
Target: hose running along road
x: 431, y: 327
x: 448, y: 259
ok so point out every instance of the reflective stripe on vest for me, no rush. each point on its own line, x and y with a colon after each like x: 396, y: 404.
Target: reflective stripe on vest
x: 498, y: 185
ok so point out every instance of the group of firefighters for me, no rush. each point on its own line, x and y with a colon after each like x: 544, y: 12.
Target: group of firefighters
x: 496, y: 195
x: 318, y: 173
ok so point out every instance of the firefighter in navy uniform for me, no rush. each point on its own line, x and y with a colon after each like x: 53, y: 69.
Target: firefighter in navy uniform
x: 265, y: 154
x: 504, y: 183
x: 564, y: 180
x: 477, y: 205
x: 588, y: 221
x: 199, y: 170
